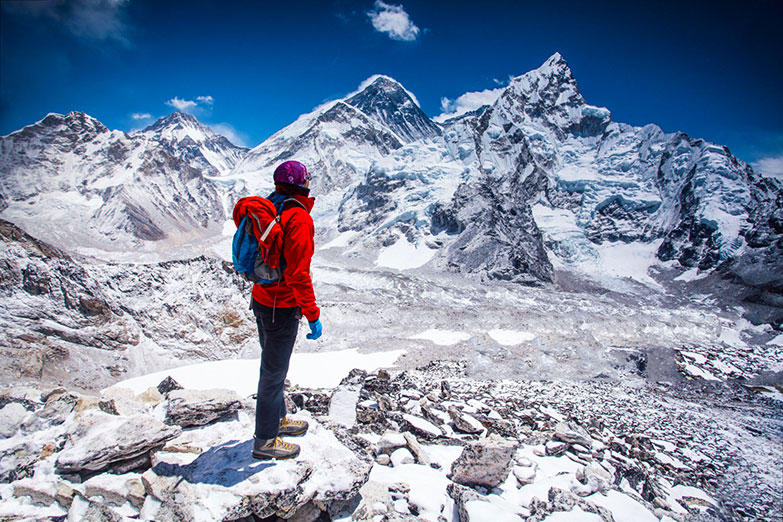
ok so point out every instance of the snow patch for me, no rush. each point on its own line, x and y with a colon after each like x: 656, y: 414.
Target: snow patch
x: 442, y: 337
x: 311, y: 370
x: 404, y: 255
x: 511, y: 337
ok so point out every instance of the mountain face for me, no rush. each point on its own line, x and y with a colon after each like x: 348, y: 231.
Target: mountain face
x: 539, y: 177
x: 71, y: 181
x: 387, y: 102
x: 71, y: 321
x: 195, y: 143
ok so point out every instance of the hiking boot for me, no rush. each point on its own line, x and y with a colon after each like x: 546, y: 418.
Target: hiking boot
x: 275, y: 448
x: 292, y: 427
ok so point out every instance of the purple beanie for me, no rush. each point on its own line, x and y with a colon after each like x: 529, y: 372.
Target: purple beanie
x: 291, y: 172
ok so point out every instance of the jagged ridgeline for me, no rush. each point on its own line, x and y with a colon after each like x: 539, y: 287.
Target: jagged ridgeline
x: 488, y: 192
x: 540, y: 179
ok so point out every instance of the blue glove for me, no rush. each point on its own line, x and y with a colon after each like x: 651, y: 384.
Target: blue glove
x: 315, y: 330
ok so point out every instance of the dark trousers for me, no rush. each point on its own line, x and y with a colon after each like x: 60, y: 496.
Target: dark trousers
x: 277, y: 333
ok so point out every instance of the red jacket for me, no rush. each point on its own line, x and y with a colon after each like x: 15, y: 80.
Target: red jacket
x: 296, y: 287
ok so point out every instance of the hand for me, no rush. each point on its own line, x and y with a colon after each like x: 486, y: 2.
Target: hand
x: 315, y: 330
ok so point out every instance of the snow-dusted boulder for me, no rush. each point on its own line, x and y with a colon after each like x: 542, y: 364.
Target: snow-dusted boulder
x: 199, y: 407
x: 11, y: 416
x: 102, y: 442
x: 226, y: 483
x: 484, y: 463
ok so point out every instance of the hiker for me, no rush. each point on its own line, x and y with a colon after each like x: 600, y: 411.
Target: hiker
x: 279, y: 306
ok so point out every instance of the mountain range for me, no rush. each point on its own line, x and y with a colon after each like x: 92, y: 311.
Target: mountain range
x: 537, y: 185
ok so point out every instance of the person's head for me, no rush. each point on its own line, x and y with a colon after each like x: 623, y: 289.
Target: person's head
x: 291, y: 177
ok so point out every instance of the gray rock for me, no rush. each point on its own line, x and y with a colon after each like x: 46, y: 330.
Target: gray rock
x: 418, y: 452
x: 572, y: 434
x: 41, y: 494
x: 54, y: 413
x: 462, y: 422
x: 103, y: 442
x: 484, y: 463
x: 562, y: 500
x: 462, y: 496
x: 419, y: 426
x: 64, y: 494
x: 401, y: 456
x: 169, y: 385
x: 389, y: 442
x: 11, y: 416
x: 199, y: 407
x: 17, y: 462
x: 555, y: 449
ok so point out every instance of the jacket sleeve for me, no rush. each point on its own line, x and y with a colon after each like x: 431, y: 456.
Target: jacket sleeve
x: 298, y: 248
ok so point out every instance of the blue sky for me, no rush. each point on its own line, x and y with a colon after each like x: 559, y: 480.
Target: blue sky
x: 710, y: 69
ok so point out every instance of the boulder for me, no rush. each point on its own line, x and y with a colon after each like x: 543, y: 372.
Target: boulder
x: 54, y: 413
x: 11, y: 416
x: 199, y: 407
x: 419, y: 426
x: 389, y: 442
x: 462, y: 496
x: 18, y: 461
x: 169, y: 385
x: 465, y: 423
x: 402, y: 456
x: 572, y: 434
x: 228, y: 484
x: 102, y: 442
x: 484, y: 463
x: 555, y: 448
x: 418, y: 452
x: 40, y: 493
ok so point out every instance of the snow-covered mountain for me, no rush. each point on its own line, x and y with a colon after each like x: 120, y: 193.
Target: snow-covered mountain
x: 539, y: 178
x: 192, y: 141
x: 69, y: 180
x: 536, y: 185
x: 539, y: 181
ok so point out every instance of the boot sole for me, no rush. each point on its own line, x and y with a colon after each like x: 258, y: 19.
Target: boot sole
x: 282, y: 433
x: 272, y: 457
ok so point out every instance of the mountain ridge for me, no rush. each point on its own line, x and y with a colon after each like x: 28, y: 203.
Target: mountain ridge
x: 538, y: 149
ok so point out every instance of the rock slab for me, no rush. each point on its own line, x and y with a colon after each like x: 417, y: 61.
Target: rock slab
x: 484, y: 463
x: 188, y: 408
x: 103, y: 442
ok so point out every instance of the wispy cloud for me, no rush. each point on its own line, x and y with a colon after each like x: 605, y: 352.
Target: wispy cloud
x: 469, y: 101
x: 234, y: 136
x: 393, y: 21
x: 201, y: 102
x: 141, y: 116
x: 99, y: 20
x: 771, y: 167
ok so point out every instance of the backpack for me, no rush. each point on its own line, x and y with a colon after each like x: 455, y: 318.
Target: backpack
x: 257, y: 248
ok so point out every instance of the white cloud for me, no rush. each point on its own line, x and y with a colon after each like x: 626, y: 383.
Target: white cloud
x: 771, y: 167
x: 394, y: 21
x: 469, y: 101
x: 233, y: 135
x: 90, y: 19
x: 141, y: 116
x: 201, y: 102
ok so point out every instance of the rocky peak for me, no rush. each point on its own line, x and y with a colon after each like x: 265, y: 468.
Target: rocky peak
x: 389, y: 103
x: 553, y: 84
x: 179, y: 125
x: 550, y: 96
x: 76, y: 125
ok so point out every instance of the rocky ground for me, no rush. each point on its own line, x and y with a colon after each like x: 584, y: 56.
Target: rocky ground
x: 429, y: 444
